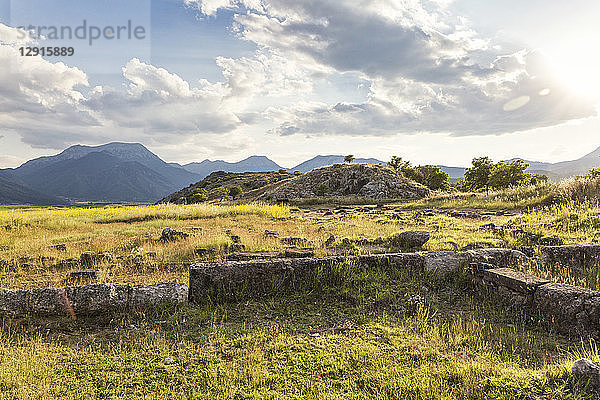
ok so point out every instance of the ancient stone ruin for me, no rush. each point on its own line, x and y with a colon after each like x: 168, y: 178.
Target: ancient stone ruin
x: 567, y: 308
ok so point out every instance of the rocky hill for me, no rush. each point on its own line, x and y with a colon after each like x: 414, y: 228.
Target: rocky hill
x: 211, y: 187
x: 360, y: 180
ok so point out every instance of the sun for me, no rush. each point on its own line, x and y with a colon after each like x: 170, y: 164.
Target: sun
x: 577, y: 65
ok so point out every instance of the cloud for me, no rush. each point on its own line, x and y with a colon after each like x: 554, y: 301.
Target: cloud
x: 43, y: 102
x: 159, y: 102
x: 9, y: 161
x: 427, y: 69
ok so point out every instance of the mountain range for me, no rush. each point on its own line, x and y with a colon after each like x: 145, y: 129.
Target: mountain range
x: 130, y: 173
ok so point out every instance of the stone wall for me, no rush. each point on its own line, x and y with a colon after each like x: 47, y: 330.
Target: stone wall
x: 238, y: 279
x: 568, y: 309
x: 88, y: 300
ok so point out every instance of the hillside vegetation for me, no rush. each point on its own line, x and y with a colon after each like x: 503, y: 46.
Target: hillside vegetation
x: 224, y: 185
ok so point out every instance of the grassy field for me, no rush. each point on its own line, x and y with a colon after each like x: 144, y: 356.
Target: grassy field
x: 348, y: 334
x: 128, y: 232
x: 353, y: 334
x: 131, y: 234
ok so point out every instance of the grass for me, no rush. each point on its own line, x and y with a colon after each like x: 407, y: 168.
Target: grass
x: 517, y: 198
x: 132, y: 231
x: 400, y: 337
x: 347, y: 333
x: 130, y: 234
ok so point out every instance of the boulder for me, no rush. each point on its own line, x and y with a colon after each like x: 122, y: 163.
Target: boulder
x: 587, y: 372
x: 577, y: 255
x: 169, y: 235
x: 409, y: 239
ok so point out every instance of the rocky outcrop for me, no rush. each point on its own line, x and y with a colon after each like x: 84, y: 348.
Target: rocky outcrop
x: 360, y: 180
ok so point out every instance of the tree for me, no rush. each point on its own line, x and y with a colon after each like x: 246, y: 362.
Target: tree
x: 428, y: 175
x: 432, y: 177
x: 478, y: 176
x: 349, y: 158
x: 534, y: 179
x: 198, y: 195
x: 485, y: 174
x: 222, y: 193
x: 506, y: 174
x: 235, y: 191
x: 398, y: 164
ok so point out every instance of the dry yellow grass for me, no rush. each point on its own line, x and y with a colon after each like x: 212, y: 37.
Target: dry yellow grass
x: 130, y: 231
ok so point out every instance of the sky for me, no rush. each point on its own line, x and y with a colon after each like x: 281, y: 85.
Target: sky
x: 432, y: 81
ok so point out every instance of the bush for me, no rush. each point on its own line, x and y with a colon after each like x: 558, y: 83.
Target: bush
x: 198, y: 196
x: 322, y: 190
x: 235, y: 191
x: 580, y: 190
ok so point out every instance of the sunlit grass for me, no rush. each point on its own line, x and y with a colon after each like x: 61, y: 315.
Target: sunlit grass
x: 400, y: 337
x: 516, y: 198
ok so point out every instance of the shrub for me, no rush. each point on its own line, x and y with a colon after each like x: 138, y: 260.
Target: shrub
x: 235, y: 191
x: 198, y: 196
x: 322, y: 190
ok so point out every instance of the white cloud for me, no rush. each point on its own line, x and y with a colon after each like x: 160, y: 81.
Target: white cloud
x: 428, y: 70
x: 44, y: 104
x: 158, y: 102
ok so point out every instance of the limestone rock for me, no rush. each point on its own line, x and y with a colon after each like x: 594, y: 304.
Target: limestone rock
x: 587, y: 371
x: 410, y: 239
x: 361, y: 180
x: 169, y: 235
x: 158, y: 294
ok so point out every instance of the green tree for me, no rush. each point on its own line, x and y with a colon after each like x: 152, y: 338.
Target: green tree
x: 478, y: 176
x: 428, y: 175
x: 222, y: 193
x: 432, y: 177
x: 198, y: 195
x: 398, y: 164
x: 506, y: 174
x: 349, y: 158
x: 235, y: 191
x: 534, y: 179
